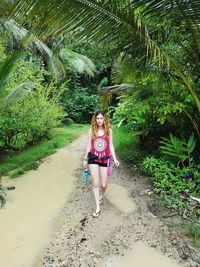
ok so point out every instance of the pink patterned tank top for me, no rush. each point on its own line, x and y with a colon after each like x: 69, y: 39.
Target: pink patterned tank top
x: 100, y: 146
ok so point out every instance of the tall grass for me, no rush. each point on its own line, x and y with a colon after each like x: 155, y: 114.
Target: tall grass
x: 193, y: 230
x: 126, y: 145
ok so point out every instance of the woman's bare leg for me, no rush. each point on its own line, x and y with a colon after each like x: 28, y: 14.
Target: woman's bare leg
x: 100, y: 193
x: 104, y: 180
x: 94, y: 171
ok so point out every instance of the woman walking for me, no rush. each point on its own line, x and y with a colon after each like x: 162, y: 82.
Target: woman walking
x: 98, y: 155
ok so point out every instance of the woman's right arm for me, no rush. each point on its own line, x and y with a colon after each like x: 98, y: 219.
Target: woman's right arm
x: 85, y: 163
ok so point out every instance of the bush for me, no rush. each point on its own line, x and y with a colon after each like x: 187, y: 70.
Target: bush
x: 28, y: 68
x: 173, y: 184
x: 79, y: 105
x: 127, y: 144
x: 67, y: 121
x: 27, y: 119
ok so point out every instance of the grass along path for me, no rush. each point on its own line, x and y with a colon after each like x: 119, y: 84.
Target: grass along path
x: 15, y: 165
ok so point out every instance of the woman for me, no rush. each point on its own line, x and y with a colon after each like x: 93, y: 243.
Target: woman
x: 98, y: 156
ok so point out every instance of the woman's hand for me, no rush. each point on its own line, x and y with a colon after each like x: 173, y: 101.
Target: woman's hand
x: 116, y: 162
x: 85, y: 164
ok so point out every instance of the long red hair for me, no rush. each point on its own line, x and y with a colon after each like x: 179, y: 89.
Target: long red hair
x: 106, y: 124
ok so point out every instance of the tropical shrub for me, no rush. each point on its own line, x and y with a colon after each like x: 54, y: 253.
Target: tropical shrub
x: 28, y: 118
x: 28, y: 68
x: 80, y: 105
x: 173, y: 185
x: 178, y: 149
x: 126, y: 143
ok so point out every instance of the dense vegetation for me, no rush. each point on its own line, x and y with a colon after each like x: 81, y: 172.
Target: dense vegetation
x: 54, y: 69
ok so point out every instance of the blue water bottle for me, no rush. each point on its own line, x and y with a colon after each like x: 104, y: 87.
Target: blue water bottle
x: 85, y: 176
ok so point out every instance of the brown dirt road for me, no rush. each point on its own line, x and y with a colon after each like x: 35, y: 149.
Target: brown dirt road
x: 79, y: 240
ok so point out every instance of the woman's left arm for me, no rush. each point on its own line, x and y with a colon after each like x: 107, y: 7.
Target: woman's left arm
x: 112, y: 149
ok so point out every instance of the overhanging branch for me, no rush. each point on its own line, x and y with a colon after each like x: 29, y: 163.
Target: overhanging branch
x: 115, y: 88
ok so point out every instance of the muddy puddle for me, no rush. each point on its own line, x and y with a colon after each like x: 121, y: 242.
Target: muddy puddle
x: 26, y: 220
x: 119, y: 198
x: 139, y: 256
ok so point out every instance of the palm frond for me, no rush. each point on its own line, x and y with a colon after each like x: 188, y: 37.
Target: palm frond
x: 108, y: 20
x: 191, y: 143
x: 115, y: 89
x: 80, y: 63
x: 170, y: 8
x: 125, y: 69
x: 6, y: 67
x: 85, y: 19
x: 21, y: 34
x: 185, y: 11
x: 16, y: 92
x: 140, y: 91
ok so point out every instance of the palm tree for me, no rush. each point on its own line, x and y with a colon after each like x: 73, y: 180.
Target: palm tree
x: 121, y: 21
x: 56, y: 61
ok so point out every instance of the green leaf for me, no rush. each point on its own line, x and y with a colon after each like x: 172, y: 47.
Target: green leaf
x: 191, y: 143
x: 164, y: 148
x: 6, y: 68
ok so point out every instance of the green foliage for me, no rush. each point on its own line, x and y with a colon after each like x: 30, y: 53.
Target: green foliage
x: 103, y: 82
x: 102, y: 55
x: 80, y: 105
x: 78, y: 62
x: 2, y: 51
x: 131, y: 112
x: 177, y: 148
x: 153, y: 112
x: 28, y: 119
x: 194, y: 230
x: 164, y: 113
x: 172, y: 184
x: 126, y: 144
x: 139, y: 34
x: 6, y: 67
x: 189, y: 228
x: 17, y: 128
x: 28, y: 68
x: 67, y: 121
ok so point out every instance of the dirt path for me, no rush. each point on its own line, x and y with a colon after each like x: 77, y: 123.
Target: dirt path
x: 39, y: 196
x: 78, y: 239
